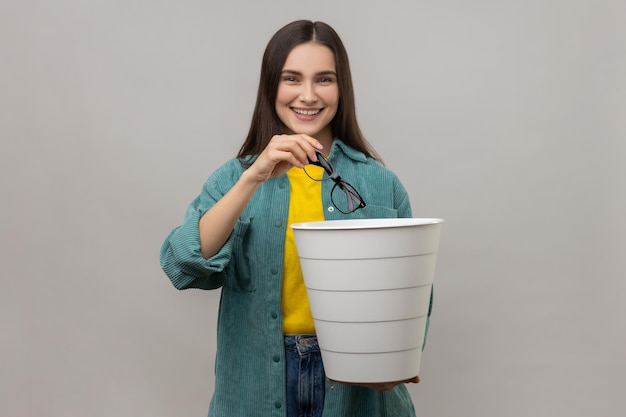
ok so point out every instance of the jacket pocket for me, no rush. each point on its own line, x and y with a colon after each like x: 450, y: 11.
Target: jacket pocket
x: 378, y: 212
x: 239, y: 273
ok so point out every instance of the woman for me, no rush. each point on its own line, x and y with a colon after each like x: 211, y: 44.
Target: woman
x: 236, y: 234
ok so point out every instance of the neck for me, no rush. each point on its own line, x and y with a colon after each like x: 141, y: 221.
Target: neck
x: 325, y: 137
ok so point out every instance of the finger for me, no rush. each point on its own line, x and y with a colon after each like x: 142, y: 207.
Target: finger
x: 316, y: 145
x: 304, y: 148
x: 312, y: 141
x: 308, y: 145
x: 379, y: 386
x: 288, y: 157
x: 285, y: 149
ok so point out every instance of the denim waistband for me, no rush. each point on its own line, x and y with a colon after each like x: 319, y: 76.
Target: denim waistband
x: 304, y: 343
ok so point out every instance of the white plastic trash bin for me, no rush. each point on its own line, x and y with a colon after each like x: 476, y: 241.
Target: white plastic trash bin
x: 369, y: 283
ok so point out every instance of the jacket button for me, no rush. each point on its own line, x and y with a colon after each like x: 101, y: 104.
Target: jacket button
x: 276, y: 358
x: 331, y: 209
x: 278, y: 404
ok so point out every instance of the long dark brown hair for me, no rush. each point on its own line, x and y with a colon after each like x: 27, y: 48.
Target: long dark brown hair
x: 265, y: 121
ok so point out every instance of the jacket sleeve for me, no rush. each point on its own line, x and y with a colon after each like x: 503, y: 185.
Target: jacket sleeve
x: 402, y: 202
x: 180, y: 255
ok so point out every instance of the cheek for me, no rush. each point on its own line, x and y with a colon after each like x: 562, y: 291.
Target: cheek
x: 284, y: 94
x: 333, y: 105
x: 332, y: 97
x: 279, y: 95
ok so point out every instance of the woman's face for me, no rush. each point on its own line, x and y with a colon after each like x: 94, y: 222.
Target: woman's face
x: 308, y: 94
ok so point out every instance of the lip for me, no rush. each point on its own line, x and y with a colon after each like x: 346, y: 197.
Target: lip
x: 306, y: 117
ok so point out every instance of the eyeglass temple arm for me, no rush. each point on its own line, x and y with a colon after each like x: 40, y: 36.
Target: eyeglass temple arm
x: 321, y: 162
x: 351, y: 194
x: 320, y: 156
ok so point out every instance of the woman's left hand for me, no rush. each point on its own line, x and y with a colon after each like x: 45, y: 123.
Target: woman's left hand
x: 383, y: 386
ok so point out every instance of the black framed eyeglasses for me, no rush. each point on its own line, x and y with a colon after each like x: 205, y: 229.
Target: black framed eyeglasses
x: 353, y: 201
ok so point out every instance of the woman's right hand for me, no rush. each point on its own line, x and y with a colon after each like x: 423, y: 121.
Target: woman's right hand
x: 282, y: 153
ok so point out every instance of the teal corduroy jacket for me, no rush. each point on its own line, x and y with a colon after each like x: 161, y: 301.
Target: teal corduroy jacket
x: 249, y: 370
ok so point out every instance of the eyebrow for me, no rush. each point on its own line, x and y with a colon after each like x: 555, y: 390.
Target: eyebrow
x: 288, y: 71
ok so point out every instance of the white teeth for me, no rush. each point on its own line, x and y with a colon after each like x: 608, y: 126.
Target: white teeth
x: 306, y: 112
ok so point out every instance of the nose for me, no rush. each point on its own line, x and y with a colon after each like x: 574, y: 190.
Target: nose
x: 308, y: 93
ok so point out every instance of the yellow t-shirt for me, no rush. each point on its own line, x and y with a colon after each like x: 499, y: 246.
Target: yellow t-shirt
x: 305, y: 204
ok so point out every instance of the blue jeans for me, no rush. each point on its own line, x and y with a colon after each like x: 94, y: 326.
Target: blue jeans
x: 306, y: 380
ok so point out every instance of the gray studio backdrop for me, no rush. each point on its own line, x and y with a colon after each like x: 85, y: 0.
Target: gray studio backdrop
x: 506, y: 118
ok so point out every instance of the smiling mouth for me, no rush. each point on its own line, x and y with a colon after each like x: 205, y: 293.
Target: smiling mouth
x: 306, y: 112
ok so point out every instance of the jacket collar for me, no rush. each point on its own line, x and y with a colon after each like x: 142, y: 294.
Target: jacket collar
x: 339, y: 145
